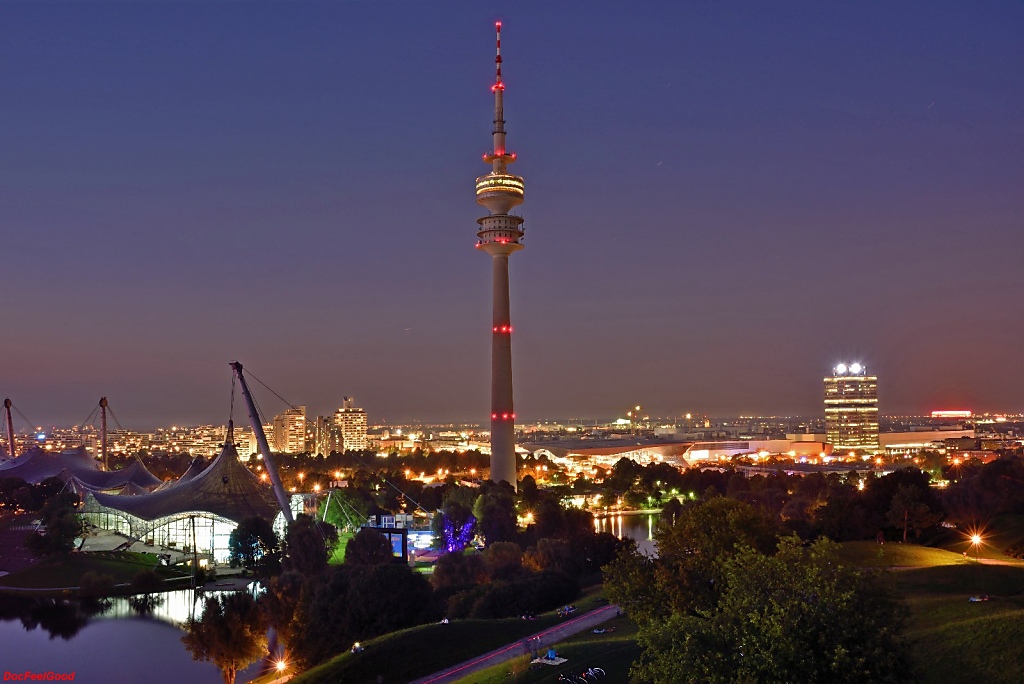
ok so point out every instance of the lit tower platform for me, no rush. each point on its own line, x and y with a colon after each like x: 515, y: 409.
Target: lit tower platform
x: 499, y: 234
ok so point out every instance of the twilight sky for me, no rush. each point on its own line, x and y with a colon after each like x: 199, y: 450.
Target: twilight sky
x: 723, y: 201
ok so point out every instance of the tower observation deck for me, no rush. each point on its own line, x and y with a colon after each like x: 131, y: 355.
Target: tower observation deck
x: 499, y: 234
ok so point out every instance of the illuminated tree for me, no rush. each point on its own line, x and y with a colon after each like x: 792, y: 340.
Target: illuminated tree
x: 232, y: 633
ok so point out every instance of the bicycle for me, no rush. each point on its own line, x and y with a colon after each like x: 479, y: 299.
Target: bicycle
x: 594, y: 672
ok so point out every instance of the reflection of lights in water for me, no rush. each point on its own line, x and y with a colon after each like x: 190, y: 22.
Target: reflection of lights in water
x: 174, y: 607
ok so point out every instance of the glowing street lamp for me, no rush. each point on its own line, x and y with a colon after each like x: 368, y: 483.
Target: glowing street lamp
x: 281, y: 665
x: 976, y: 542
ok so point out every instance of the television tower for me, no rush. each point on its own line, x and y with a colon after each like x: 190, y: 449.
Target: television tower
x: 499, y: 235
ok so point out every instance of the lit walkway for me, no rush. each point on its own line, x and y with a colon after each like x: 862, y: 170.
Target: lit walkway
x: 543, y: 641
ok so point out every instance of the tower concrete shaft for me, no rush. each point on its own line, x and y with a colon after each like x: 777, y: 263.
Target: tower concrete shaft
x: 499, y: 235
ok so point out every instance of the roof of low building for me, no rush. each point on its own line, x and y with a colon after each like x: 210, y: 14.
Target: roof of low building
x: 225, y: 488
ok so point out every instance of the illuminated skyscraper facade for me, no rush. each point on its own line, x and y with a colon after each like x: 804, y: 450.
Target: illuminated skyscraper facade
x: 851, y: 410
x: 351, y: 422
x: 290, y: 431
x: 499, y: 235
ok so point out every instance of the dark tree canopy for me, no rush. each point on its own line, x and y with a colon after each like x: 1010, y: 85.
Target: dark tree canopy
x: 727, y: 601
x: 368, y: 547
x: 307, y: 544
x: 495, y: 512
x: 831, y: 624
x: 254, y: 545
x: 232, y: 633
x: 62, y: 526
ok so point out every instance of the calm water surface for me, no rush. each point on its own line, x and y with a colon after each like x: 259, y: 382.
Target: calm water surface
x: 121, y: 646
x: 117, y: 646
x: 640, y: 527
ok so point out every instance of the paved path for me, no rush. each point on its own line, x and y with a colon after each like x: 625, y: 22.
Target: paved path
x: 519, y: 647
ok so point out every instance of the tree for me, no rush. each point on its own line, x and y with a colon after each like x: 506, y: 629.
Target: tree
x: 306, y: 545
x: 144, y: 584
x: 549, y: 554
x: 368, y: 547
x: 383, y: 598
x: 232, y: 633
x: 495, y: 511
x: 458, y: 571
x: 254, y: 546
x: 704, y: 535
x: 909, y: 512
x: 62, y: 526
x: 453, y: 526
x: 503, y: 560
x: 795, y: 616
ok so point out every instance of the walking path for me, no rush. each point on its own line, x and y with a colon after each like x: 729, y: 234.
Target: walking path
x: 539, y: 641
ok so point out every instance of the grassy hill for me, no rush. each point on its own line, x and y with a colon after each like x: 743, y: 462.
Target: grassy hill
x: 613, y: 652
x: 419, y: 651
x: 66, y: 571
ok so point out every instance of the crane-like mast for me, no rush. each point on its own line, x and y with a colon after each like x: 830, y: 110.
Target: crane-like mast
x: 261, y: 440
x: 103, y: 432
x: 10, y: 428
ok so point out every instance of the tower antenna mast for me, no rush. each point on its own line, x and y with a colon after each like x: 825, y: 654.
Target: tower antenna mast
x: 499, y: 236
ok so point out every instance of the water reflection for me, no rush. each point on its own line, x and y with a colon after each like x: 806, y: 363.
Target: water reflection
x: 58, y: 617
x: 639, y: 527
x: 106, y: 640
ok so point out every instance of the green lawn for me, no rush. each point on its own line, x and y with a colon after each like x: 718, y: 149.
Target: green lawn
x: 66, y: 571
x: 959, y: 641
x: 997, y: 534
x: 869, y: 554
x: 338, y: 555
x: 417, y: 652
x: 614, y: 653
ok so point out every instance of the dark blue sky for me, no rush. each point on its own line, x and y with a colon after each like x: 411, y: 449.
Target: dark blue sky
x: 723, y: 200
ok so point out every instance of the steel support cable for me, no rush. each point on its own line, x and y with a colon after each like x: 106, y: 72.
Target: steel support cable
x: 268, y: 388
x: 28, y: 422
x: 388, y: 482
x: 113, y: 415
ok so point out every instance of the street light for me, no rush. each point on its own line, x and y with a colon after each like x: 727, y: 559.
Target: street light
x: 281, y: 666
x: 976, y: 541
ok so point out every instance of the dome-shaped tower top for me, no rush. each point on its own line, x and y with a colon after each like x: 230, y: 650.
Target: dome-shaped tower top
x: 499, y: 191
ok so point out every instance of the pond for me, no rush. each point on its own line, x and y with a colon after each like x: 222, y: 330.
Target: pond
x: 639, y: 526
x: 117, y: 645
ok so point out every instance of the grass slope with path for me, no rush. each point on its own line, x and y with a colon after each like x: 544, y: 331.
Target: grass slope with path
x: 955, y: 639
x: 420, y: 651
x: 614, y: 652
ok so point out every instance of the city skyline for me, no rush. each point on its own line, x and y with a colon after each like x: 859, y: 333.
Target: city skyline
x: 725, y: 205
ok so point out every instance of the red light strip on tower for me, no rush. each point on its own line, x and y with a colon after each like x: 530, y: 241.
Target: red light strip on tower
x: 507, y: 329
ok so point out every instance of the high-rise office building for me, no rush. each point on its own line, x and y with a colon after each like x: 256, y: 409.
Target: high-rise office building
x: 499, y: 235
x: 851, y: 410
x: 324, y: 436
x: 351, y: 423
x: 290, y: 431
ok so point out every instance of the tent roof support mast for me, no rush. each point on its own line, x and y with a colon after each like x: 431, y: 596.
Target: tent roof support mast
x: 261, y: 440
